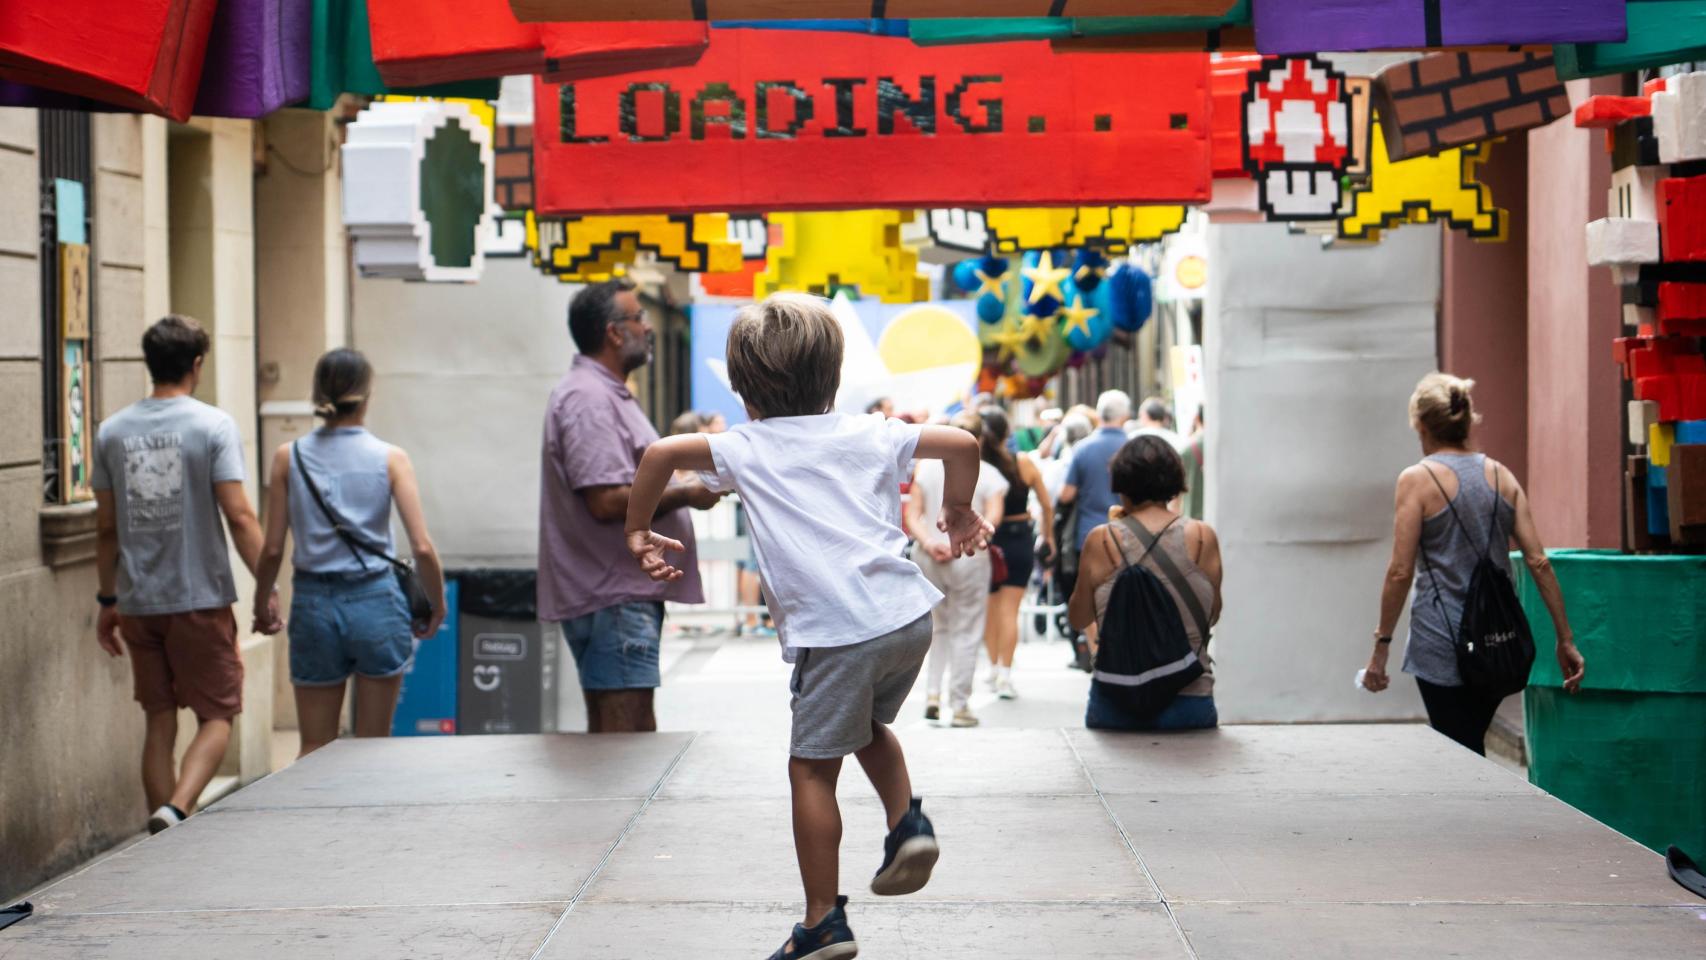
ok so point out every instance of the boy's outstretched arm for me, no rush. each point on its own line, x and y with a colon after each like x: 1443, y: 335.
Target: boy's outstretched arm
x: 662, y: 459
x: 967, y: 530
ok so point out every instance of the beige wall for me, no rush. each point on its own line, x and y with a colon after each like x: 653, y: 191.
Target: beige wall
x: 302, y: 282
x: 210, y: 209
x: 173, y: 230
x: 69, y: 733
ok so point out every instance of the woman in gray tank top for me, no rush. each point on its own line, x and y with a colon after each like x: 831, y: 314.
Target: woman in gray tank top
x: 348, y: 614
x: 1453, y: 508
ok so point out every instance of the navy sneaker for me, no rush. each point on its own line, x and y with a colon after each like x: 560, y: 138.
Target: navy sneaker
x: 909, y: 854
x: 831, y: 939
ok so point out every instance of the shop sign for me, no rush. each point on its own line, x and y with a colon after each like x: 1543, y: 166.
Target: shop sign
x: 767, y: 122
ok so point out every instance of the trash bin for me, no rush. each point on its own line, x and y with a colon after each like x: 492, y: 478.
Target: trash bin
x: 1630, y: 748
x: 427, y: 704
x: 508, y: 665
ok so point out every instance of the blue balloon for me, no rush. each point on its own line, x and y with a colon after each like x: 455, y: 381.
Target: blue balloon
x: 1130, y: 298
x: 991, y: 308
x: 1089, y: 269
x: 965, y: 275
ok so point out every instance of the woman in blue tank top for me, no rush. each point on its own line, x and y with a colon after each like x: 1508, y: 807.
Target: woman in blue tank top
x: 1454, y: 507
x: 348, y: 614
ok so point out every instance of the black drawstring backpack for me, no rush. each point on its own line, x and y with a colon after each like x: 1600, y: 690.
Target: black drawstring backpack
x: 1495, y: 649
x: 1145, y: 657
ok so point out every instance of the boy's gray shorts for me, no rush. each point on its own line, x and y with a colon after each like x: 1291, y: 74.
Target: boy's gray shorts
x: 839, y: 691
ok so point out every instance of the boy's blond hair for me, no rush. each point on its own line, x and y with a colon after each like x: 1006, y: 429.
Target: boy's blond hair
x: 784, y: 356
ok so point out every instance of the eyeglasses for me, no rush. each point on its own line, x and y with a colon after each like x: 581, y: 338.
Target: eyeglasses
x: 638, y: 316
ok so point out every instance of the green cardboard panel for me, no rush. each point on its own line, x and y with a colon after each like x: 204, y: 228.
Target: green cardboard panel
x: 1660, y: 32
x: 951, y: 30
x: 343, y: 60
x: 1639, y: 620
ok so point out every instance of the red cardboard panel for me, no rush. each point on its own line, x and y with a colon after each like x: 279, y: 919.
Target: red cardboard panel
x: 1229, y: 78
x: 769, y: 121
x: 140, y: 54
x: 1606, y: 112
x: 578, y: 51
x: 548, y: 10
x: 1682, y: 222
x: 419, y: 43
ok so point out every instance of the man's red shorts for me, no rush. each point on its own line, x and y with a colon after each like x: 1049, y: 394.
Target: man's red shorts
x: 186, y: 660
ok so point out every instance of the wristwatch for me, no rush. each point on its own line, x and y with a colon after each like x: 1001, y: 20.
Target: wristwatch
x: 105, y: 600
x: 1382, y: 638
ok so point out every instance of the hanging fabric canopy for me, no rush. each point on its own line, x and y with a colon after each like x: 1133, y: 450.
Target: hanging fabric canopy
x: 258, y: 58
x: 343, y: 60
x: 418, y: 43
x: 139, y: 54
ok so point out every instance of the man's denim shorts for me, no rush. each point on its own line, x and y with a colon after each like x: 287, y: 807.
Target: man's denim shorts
x: 617, y: 648
x: 343, y: 623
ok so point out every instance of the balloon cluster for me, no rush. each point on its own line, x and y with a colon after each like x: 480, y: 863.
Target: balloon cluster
x: 1064, y: 310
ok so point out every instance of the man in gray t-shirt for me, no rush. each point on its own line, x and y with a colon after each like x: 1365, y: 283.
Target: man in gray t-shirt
x: 165, y: 469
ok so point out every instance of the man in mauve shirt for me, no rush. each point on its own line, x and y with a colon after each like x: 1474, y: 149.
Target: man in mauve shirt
x: 595, y: 434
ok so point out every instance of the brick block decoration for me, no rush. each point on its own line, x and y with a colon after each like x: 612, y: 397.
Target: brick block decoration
x: 1685, y: 488
x: 1638, y: 532
x: 1682, y: 218
x: 1448, y: 100
x: 512, y: 167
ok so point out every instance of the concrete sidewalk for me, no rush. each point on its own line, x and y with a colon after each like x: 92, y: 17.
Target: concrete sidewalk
x: 1303, y: 842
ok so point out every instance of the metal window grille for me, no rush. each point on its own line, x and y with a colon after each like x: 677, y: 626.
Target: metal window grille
x: 65, y: 152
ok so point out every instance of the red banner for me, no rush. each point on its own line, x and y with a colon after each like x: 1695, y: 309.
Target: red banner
x: 778, y: 120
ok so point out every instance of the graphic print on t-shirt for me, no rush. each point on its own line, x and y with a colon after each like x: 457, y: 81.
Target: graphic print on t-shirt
x: 154, y: 481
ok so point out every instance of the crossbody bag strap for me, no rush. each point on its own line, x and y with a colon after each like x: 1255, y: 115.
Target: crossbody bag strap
x: 1171, y: 571
x: 355, y: 545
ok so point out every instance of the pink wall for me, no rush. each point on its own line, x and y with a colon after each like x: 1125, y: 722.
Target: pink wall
x: 1574, y: 451
x: 1483, y: 330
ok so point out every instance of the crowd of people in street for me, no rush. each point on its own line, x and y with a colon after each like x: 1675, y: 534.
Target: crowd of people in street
x: 866, y: 587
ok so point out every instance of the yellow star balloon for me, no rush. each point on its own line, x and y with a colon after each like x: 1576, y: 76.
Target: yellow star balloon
x: 1010, y: 341
x: 1078, y: 316
x: 1035, y: 326
x: 1045, y: 278
x: 996, y: 285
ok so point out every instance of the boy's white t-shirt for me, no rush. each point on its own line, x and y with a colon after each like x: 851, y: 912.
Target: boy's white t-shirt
x: 822, y: 498
x: 928, y: 482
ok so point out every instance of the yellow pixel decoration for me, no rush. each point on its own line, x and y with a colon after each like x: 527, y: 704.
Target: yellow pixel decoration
x: 590, y: 249
x: 1439, y: 187
x: 1114, y: 229
x: 820, y: 252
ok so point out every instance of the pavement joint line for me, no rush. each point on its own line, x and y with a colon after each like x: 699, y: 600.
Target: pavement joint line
x: 183, y: 911
x: 604, y: 861
x: 496, y: 801
x: 1125, y: 838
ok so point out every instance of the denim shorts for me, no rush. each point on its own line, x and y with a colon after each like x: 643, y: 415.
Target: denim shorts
x: 343, y: 623
x: 617, y: 648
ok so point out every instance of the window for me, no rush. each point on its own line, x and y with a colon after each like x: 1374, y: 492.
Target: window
x: 67, y: 304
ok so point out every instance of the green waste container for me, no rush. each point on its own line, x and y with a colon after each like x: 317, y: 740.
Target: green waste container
x: 1630, y: 748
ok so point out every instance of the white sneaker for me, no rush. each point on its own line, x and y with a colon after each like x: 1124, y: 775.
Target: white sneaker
x: 165, y: 817
x: 964, y: 718
x: 1005, y: 690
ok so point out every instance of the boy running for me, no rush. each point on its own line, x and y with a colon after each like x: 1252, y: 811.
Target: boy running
x: 822, y: 494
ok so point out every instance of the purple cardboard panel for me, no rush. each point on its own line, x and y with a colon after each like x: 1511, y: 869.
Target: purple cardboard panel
x: 257, y: 58
x: 1312, y: 26
x: 14, y: 94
